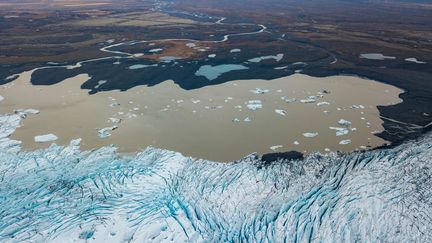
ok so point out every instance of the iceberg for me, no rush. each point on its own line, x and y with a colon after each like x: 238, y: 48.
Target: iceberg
x: 254, y: 104
x: 310, y: 134
x: 45, y: 138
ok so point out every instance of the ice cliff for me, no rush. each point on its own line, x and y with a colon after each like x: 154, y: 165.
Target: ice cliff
x: 63, y: 194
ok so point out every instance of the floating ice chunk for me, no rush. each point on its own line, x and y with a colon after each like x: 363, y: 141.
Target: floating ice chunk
x: 156, y: 50
x: 235, y: 50
x: 254, y: 104
x: 340, y: 131
x: 114, y: 104
x: 310, y: 134
x: 1, y: 98
x: 179, y: 101
x: 281, y: 112
x: 353, y: 129
x: 296, y: 143
x: 195, y: 101
x: 280, y: 68
x: 140, y: 66
x: 115, y: 120
x: 105, y: 132
x: 357, y: 107
x: 247, y: 119
x: 345, y: 142
x: 344, y: 122
x: 212, y: 55
x: 412, y: 59
x: 327, y: 150
x: 276, y: 147
x: 375, y: 56
x: 323, y: 103
x: 308, y: 100
x: 45, y: 138
x: 116, y: 63
x: 236, y: 120
x: 287, y: 99
x: 259, y: 91
x: 190, y: 45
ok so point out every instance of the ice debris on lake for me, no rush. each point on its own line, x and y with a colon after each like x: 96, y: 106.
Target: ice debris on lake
x: 414, y: 60
x: 288, y: 99
x: 254, y: 104
x: 281, y: 112
x: 235, y: 50
x: 310, y: 134
x: 340, y: 131
x: 62, y: 194
x: 344, y: 122
x: 106, y: 132
x: 1, y: 98
x: 276, y: 147
x: 345, y: 142
x: 310, y: 99
x: 323, y: 103
x: 45, y: 138
x: 375, y: 56
x: 259, y: 91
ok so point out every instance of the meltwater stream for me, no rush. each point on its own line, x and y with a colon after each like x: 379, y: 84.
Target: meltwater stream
x: 63, y: 194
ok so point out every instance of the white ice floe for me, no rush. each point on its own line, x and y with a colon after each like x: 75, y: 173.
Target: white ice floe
x: 259, y: 91
x: 296, y: 143
x: 195, y: 101
x: 357, y: 107
x: 310, y: 134
x: 191, y: 45
x: 323, y: 103
x: 156, y: 50
x: 309, y: 99
x: 247, y: 119
x: 280, y: 68
x: 345, y: 142
x: 105, y: 132
x: 141, y: 66
x: 340, y: 131
x: 235, y: 50
x: 276, y: 147
x: 281, y: 112
x: 114, y: 120
x: 236, y: 120
x: 254, y: 104
x: 45, y: 138
x: 211, y: 56
x: 375, y: 56
x: 344, y: 122
x: 412, y: 59
x: 288, y: 99
x: 114, y: 104
x: 1, y: 98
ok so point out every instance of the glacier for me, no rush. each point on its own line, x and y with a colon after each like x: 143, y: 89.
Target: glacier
x: 63, y: 194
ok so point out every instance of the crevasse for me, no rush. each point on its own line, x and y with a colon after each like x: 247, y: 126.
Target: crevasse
x: 64, y: 194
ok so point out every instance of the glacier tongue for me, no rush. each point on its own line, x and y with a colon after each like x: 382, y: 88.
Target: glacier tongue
x: 63, y: 194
